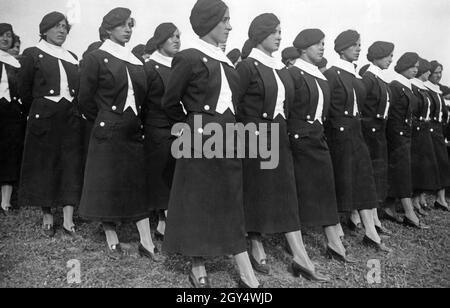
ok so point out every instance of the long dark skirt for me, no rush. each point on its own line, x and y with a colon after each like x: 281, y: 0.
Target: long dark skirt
x: 314, y: 175
x: 206, y: 209
x: 374, y: 132
x: 440, y: 151
x: 353, y: 172
x: 12, y: 135
x: 114, y: 184
x: 52, y: 166
x: 399, y: 149
x: 424, y: 165
x: 159, y: 164
x: 270, y: 197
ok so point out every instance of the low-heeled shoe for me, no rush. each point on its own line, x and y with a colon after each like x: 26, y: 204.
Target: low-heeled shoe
x: 332, y: 254
x: 298, y: 270
x: 409, y: 223
x: 143, y: 252
x: 439, y: 206
x: 378, y: 247
x: 261, y: 268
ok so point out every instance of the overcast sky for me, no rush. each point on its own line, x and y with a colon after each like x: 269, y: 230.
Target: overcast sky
x: 413, y: 25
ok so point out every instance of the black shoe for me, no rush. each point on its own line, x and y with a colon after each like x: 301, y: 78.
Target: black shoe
x: 159, y: 236
x: 409, y: 223
x: 353, y: 227
x: 299, y: 270
x: 72, y: 232
x: 394, y: 218
x: 49, y: 230
x: 201, y: 283
x: 262, y: 267
x: 115, y: 252
x: 421, y: 212
x: 439, y: 206
x: 378, y: 247
x: 383, y: 231
x: 243, y: 285
x: 332, y: 254
x: 143, y: 252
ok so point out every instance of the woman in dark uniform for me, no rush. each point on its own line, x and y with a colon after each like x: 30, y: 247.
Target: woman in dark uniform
x: 438, y: 116
x: 355, y: 184
x: 12, y: 118
x: 399, y: 130
x: 270, y: 197
x: 52, y: 164
x: 424, y: 165
x: 312, y: 161
x: 112, y: 91
x: 159, y: 161
x: 206, y: 215
x: 374, y: 114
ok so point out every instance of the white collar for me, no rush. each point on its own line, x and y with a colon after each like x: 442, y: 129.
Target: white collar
x: 377, y: 72
x: 268, y: 61
x: 212, y: 51
x: 57, y: 52
x: 8, y: 59
x: 418, y: 83
x: 433, y: 87
x: 348, y: 67
x: 120, y: 52
x: 161, y: 59
x: 309, y: 68
x: 403, y: 80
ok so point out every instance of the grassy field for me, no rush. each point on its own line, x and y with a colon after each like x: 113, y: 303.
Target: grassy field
x: 27, y: 259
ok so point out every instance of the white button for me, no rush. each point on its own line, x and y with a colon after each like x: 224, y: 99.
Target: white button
x: 346, y: 113
x: 378, y: 115
x: 106, y: 60
x: 418, y: 128
x: 302, y: 73
x: 257, y: 133
x: 256, y: 63
x: 205, y: 60
x: 339, y: 72
x: 265, y: 115
x: 207, y: 108
x: 200, y: 130
x: 342, y: 129
x: 37, y: 116
x: 374, y: 130
x: 421, y: 118
x: 401, y: 133
x: 308, y: 117
x: 73, y: 91
x: 157, y: 67
x: 143, y: 137
x: 296, y: 136
x: 15, y: 98
x: 41, y: 56
x: 52, y: 92
x: 114, y: 108
x: 102, y: 124
x: 431, y: 130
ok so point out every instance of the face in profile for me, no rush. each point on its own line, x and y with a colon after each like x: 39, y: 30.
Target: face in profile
x: 385, y: 62
x: 122, y: 34
x: 351, y: 54
x: 314, y: 53
x: 411, y: 72
x: 221, y: 32
x: 272, y: 42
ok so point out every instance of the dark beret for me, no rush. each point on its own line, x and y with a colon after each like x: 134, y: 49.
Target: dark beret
x: 262, y: 26
x: 345, y: 40
x: 94, y: 46
x: 162, y: 33
x: 434, y: 65
x: 307, y: 38
x: 206, y: 15
x: 5, y: 28
x: 115, y: 18
x: 139, y: 50
x: 406, y: 61
x: 424, y: 66
x: 380, y: 50
x: 50, y: 20
x: 234, y: 55
x: 323, y: 63
x: 289, y: 53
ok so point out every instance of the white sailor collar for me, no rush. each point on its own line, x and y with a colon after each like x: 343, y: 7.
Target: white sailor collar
x: 347, y: 66
x: 161, y: 59
x: 377, y: 72
x: 418, y: 83
x: 433, y: 87
x: 403, y: 80
x: 309, y: 68
x: 268, y: 61
x: 120, y: 52
x: 8, y: 59
x: 212, y: 51
x: 57, y: 52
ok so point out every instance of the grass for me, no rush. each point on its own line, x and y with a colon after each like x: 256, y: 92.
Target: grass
x: 29, y: 259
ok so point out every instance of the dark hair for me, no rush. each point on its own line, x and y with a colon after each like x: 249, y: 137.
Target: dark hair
x: 16, y: 39
x: 44, y: 37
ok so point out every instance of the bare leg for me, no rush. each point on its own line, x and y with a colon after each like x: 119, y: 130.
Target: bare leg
x: 145, y: 234
x: 111, y: 235
x: 257, y: 248
x: 416, y: 202
x: 376, y: 219
x: 161, y: 228
x: 6, y: 197
x: 298, y: 249
x: 340, y: 231
x: 334, y: 241
x: 68, y: 217
x: 355, y: 218
x: 198, y: 267
x: 47, y: 217
x: 369, y: 225
x: 409, y: 210
x: 246, y: 270
x: 441, y: 198
x: 423, y: 200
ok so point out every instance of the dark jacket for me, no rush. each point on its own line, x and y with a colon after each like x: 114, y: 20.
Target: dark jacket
x: 376, y: 99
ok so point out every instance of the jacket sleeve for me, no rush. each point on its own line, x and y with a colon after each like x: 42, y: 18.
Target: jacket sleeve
x: 245, y: 75
x: 176, y: 87
x: 88, y: 88
x: 299, y: 86
x: 25, y: 80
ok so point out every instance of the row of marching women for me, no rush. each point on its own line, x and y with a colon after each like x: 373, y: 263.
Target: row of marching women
x: 98, y: 138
